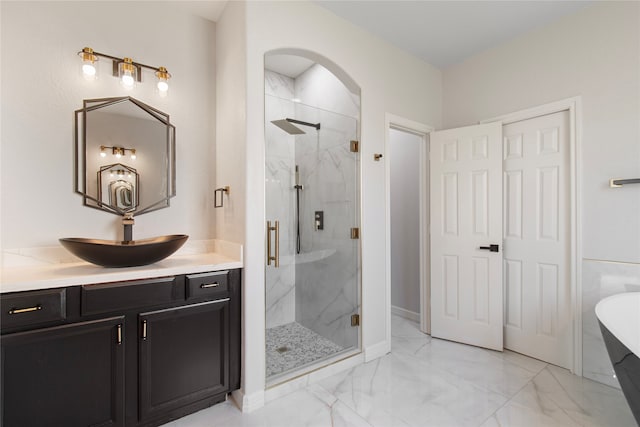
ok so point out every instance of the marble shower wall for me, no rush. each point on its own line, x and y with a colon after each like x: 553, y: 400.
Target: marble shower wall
x: 318, y: 287
x: 601, y: 279
x: 279, y: 169
x: 327, y: 268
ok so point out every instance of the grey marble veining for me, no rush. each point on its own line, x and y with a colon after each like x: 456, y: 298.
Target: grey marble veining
x: 279, y: 85
x: 279, y: 181
x: 407, y: 388
x: 327, y: 290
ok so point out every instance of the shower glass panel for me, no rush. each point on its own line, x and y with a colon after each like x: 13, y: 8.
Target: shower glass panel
x: 312, y: 190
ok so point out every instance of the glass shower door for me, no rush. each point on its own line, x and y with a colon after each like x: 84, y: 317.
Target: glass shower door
x: 312, y: 189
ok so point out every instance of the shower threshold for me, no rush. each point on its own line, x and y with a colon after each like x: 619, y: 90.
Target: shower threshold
x: 292, y: 349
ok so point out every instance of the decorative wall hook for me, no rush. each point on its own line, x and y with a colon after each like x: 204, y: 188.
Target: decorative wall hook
x: 218, y: 200
x: 377, y: 157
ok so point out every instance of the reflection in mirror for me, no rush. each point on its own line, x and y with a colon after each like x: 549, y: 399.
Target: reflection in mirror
x: 125, y: 156
x: 117, y: 186
x: 121, y: 194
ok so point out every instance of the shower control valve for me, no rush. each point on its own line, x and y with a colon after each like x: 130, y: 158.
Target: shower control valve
x: 319, y: 220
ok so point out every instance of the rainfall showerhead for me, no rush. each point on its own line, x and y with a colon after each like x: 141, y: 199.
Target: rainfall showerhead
x: 287, y: 126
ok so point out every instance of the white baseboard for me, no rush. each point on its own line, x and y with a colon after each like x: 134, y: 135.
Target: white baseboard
x: 248, y: 402
x: 411, y: 315
x: 377, y: 350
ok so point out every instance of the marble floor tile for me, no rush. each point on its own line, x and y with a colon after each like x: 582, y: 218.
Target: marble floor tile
x: 302, y: 408
x: 555, y: 397
x: 435, y: 383
x: 399, y: 390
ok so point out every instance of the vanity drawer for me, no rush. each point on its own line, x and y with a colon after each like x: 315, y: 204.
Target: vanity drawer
x: 27, y: 308
x: 207, y: 284
x: 121, y: 296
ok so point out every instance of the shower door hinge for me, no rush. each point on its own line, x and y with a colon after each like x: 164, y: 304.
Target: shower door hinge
x: 355, y: 320
x: 355, y: 233
x: 355, y: 146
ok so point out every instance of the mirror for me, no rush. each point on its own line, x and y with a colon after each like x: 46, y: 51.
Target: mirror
x: 125, y: 156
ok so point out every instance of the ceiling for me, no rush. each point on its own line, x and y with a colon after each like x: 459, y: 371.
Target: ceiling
x: 442, y: 33
x: 208, y: 9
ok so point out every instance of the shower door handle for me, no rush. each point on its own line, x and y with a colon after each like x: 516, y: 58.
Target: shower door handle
x: 276, y: 257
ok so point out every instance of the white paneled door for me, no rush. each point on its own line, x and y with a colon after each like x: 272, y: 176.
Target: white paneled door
x: 536, y: 238
x: 466, y: 223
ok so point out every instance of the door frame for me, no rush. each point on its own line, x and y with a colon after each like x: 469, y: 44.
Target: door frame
x: 422, y: 130
x: 574, y: 107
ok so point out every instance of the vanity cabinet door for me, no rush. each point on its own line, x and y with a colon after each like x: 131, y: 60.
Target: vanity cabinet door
x: 69, y: 375
x: 183, y: 357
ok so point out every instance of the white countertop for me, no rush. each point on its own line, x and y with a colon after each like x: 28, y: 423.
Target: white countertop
x: 620, y: 314
x: 14, y: 278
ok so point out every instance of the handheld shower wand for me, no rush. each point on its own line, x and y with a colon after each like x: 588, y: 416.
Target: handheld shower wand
x: 298, y: 188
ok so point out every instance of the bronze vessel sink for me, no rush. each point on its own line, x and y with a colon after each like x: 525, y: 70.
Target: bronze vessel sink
x: 117, y: 253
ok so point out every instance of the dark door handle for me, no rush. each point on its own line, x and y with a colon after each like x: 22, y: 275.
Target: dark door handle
x: 491, y: 248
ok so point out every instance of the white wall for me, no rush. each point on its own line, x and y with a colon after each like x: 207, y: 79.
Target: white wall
x: 390, y: 81
x: 231, y: 117
x: 594, y: 54
x: 231, y: 152
x: 318, y: 87
x: 405, y: 220
x: 42, y: 86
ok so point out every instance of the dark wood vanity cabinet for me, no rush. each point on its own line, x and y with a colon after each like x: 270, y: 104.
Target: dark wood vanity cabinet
x: 138, y: 353
x: 196, y: 339
x: 69, y: 375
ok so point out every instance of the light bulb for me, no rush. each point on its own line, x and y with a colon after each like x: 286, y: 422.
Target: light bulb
x: 89, y: 71
x: 102, y: 152
x: 133, y: 154
x: 163, y: 81
x: 163, y: 86
x: 88, y: 63
x: 118, y: 155
x: 127, y: 79
x: 128, y: 73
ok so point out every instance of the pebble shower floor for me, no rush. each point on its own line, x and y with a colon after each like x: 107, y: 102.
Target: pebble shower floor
x: 292, y: 345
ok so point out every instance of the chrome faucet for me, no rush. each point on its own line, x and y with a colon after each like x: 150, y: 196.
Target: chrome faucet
x: 127, y: 222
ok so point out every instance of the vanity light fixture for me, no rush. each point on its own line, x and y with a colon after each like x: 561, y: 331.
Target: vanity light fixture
x: 118, y: 151
x: 126, y: 69
x: 121, y: 173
